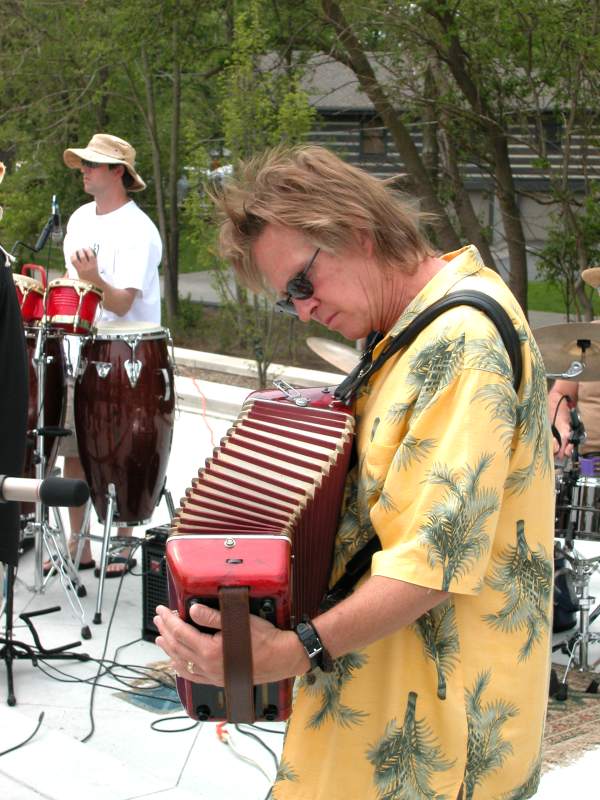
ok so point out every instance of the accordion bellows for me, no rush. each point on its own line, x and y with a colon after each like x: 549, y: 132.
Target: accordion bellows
x: 262, y: 514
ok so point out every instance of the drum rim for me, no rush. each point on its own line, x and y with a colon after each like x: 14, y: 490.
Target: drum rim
x: 108, y: 333
x: 31, y: 283
x: 68, y: 320
x: 72, y: 282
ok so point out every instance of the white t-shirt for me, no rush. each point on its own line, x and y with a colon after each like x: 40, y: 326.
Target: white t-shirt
x: 128, y: 248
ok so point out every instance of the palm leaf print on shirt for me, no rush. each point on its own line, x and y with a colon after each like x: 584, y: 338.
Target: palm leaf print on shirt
x: 438, y: 631
x: 524, y: 577
x: 405, y: 758
x: 411, y: 449
x: 534, y: 427
x: 329, y: 686
x: 486, y: 749
x: 435, y: 366
x: 455, y: 534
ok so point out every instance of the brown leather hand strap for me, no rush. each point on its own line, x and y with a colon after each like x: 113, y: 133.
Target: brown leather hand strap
x: 237, y: 653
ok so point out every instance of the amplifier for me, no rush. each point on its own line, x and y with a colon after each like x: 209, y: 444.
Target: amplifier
x: 154, y: 578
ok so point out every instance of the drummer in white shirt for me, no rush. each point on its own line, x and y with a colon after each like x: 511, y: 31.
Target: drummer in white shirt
x: 113, y: 244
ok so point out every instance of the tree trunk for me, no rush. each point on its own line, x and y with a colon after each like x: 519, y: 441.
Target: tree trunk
x: 444, y: 232
x: 172, y: 274
x: 158, y: 178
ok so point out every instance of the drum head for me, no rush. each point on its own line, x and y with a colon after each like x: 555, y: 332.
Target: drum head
x: 25, y: 282
x: 119, y: 329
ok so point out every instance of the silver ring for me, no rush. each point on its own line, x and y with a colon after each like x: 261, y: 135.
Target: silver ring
x: 190, y: 667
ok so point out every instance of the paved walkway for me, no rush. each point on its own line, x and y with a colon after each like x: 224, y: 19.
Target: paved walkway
x: 201, y: 287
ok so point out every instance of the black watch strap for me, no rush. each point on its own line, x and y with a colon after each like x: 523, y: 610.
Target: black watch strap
x: 313, y: 646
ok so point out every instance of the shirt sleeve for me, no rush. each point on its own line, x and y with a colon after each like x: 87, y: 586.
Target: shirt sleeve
x: 438, y: 509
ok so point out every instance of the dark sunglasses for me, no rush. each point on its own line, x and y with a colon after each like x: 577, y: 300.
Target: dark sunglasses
x: 298, y: 288
x: 89, y: 164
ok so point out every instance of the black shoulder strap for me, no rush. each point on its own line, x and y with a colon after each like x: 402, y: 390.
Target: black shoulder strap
x: 361, y: 560
x: 347, y: 389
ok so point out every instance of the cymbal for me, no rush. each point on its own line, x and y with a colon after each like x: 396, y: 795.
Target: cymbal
x: 592, y: 276
x: 340, y: 355
x: 561, y: 345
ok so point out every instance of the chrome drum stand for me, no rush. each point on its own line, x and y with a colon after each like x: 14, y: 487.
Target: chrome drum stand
x: 48, y: 539
x: 577, y: 647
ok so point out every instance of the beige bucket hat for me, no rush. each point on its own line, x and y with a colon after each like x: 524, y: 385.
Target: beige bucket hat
x: 106, y: 149
x: 592, y: 276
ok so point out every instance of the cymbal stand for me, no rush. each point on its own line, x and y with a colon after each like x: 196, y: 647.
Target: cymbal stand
x: 583, y: 569
x: 47, y: 539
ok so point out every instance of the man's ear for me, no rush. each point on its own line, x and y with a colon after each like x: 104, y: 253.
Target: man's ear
x: 365, y: 242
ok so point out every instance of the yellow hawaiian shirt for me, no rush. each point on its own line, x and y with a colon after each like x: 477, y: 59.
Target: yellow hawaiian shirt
x: 455, y: 476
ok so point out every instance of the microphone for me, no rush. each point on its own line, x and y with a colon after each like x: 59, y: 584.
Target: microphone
x: 51, y: 491
x: 577, y: 427
x: 57, y: 231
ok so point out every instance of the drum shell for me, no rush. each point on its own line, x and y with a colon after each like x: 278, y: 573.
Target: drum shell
x: 124, y: 432
x: 72, y: 305
x: 30, y: 295
x: 55, y: 387
x: 584, y: 512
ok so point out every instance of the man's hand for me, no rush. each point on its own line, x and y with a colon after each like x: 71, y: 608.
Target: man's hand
x: 276, y: 654
x: 86, y: 264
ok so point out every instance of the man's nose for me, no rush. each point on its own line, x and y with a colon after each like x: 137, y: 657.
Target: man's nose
x: 305, y: 308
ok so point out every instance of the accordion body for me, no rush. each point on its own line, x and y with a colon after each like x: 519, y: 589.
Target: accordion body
x: 254, y: 535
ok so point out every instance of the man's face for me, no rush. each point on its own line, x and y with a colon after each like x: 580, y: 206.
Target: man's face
x: 345, y: 296
x: 98, y: 179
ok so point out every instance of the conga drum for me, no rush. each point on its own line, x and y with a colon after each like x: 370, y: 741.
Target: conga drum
x: 124, y: 415
x: 30, y: 294
x: 72, y: 305
x: 54, y: 400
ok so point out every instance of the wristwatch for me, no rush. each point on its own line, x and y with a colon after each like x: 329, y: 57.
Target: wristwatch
x: 313, y: 646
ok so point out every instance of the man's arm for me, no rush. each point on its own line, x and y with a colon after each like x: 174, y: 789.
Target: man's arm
x: 558, y: 410
x: 119, y: 301
x: 376, y: 609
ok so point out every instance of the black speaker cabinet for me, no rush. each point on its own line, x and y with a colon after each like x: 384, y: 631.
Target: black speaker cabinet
x: 154, y: 580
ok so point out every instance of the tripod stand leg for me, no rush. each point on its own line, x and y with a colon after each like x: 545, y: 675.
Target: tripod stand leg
x: 6, y: 651
x: 110, y: 514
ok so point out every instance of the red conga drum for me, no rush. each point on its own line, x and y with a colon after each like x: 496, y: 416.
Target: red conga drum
x: 71, y: 305
x: 54, y: 400
x: 30, y: 294
x: 124, y: 415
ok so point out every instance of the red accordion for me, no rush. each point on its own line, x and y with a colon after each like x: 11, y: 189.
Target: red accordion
x: 255, y: 533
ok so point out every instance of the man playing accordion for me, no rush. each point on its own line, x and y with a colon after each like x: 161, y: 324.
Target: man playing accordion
x: 440, y: 654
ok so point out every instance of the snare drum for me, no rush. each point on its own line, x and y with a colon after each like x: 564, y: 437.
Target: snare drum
x: 54, y: 398
x: 72, y: 305
x: 30, y: 294
x: 124, y: 415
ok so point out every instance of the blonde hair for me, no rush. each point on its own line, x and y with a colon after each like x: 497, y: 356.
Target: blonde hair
x: 310, y: 189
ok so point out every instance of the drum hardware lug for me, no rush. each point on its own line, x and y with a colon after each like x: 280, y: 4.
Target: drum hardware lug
x: 133, y: 370
x: 165, y: 373
x: 81, y: 368
x: 229, y: 542
x: 102, y: 368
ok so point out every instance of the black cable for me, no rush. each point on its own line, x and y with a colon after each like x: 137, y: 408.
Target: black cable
x: 108, y: 629
x: 553, y: 427
x: 260, y: 741
x: 73, y: 679
x: 156, y: 722
x: 29, y: 738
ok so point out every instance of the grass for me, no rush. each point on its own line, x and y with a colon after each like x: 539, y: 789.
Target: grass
x: 546, y: 296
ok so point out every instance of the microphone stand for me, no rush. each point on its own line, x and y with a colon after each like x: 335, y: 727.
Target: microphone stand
x: 12, y: 649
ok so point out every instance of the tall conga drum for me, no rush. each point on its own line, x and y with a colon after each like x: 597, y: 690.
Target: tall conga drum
x: 53, y: 399
x: 124, y: 415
